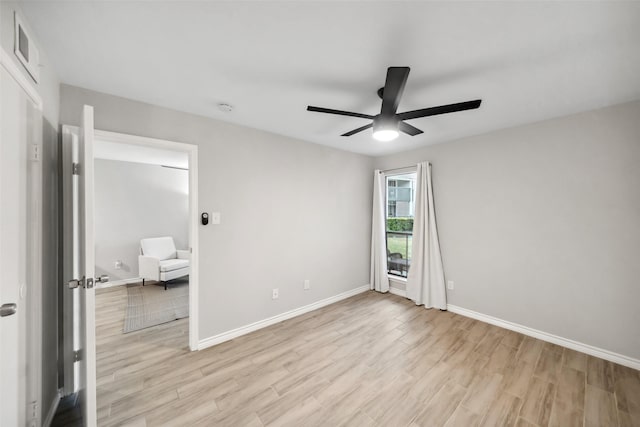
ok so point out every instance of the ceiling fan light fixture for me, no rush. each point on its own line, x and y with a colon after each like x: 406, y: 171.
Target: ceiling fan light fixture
x: 385, y: 130
x: 386, y: 135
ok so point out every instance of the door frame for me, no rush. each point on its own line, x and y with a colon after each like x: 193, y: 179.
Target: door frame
x: 192, y: 151
x: 12, y: 68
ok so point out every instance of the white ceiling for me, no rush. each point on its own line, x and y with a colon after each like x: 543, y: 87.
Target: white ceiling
x: 528, y: 61
x: 140, y: 154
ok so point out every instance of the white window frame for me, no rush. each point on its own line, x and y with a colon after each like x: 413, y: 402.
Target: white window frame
x: 388, y: 174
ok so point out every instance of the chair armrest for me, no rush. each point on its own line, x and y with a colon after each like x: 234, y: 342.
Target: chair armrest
x: 183, y: 254
x: 148, y: 267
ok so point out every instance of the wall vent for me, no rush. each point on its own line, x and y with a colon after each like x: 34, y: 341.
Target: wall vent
x: 25, y: 49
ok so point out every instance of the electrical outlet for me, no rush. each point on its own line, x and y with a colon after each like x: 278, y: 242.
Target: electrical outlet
x: 307, y: 285
x: 117, y: 265
x: 274, y: 293
x: 450, y: 285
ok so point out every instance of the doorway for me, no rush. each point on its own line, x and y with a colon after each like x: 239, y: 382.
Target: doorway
x: 117, y: 275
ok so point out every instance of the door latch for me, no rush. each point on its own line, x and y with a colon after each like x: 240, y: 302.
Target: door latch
x: 87, y: 283
x: 76, y: 283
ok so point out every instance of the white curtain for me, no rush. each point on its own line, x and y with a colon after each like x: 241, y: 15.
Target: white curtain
x: 379, y: 279
x: 425, y: 282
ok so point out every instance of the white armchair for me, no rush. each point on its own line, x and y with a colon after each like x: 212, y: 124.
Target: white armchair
x: 159, y: 260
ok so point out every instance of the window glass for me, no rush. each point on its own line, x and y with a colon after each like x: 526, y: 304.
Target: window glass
x: 400, y: 207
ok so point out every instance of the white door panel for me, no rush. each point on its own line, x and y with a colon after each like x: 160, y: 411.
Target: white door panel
x: 17, y: 114
x: 78, y: 250
x: 87, y: 297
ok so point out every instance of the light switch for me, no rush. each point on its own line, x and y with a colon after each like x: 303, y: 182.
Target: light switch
x: 215, y: 217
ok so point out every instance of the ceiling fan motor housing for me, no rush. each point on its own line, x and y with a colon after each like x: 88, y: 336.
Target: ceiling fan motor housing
x: 385, y: 128
x: 385, y: 123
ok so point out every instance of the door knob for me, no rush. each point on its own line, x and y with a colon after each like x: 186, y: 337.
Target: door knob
x: 8, y: 309
x: 87, y: 283
x: 102, y: 279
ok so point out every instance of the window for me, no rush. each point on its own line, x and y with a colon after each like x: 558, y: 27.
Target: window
x: 401, y: 190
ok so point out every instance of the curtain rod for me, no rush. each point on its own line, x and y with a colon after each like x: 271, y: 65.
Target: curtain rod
x: 175, y: 167
x: 400, y: 169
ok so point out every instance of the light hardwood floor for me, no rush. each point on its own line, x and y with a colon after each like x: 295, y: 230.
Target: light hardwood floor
x: 369, y: 360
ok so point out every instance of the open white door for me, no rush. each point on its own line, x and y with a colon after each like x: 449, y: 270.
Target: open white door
x: 79, y: 305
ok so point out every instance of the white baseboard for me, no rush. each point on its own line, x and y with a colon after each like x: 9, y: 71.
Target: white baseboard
x: 52, y: 409
x: 399, y: 292
x: 544, y: 336
x: 243, y: 330
x: 121, y: 282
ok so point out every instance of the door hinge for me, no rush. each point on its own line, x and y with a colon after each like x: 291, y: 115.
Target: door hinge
x: 75, y: 169
x: 35, y: 152
x: 77, y: 355
x: 33, y: 410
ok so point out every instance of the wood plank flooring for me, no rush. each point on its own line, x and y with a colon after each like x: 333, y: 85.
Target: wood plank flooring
x: 370, y: 360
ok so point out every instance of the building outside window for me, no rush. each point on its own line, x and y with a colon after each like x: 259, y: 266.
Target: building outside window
x: 400, y: 207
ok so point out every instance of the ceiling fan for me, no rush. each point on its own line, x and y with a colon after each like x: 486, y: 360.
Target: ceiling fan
x: 387, y: 124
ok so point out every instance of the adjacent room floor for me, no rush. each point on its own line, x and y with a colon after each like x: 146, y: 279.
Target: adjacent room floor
x: 372, y: 359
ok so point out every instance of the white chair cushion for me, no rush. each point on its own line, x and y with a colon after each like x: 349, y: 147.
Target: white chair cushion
x: 173, y: 264
x: 159, y: 247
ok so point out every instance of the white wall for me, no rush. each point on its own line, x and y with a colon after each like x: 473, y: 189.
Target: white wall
x: 540, y: 224
x: 291, y: 210
x: 135, y: 201
x: 48, y: 88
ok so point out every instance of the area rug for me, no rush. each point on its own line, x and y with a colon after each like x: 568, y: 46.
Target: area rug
x: 151, y: 305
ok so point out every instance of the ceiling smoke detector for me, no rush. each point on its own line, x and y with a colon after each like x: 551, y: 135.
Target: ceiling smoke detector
x: 224, y: 107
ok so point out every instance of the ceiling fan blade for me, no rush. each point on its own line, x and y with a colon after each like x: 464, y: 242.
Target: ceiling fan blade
x: 408, y: 129
x: 360, y: 129
x: 442, y: 109
x: 339, y: 112
x: 393, y: 89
